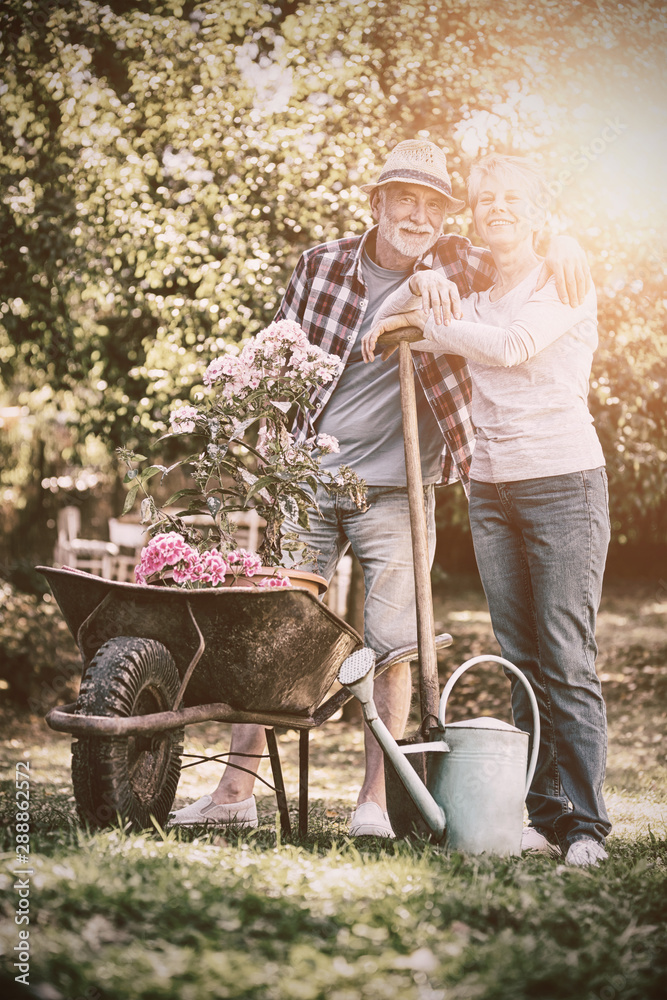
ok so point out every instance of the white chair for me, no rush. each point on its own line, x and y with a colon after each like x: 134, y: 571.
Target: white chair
x: 89, y: 554
x: 130, y: 537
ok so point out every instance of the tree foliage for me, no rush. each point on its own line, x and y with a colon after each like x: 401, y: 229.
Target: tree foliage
x: 164, y: 164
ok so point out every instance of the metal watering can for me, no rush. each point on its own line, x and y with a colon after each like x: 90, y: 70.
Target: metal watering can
x: 478, y: 774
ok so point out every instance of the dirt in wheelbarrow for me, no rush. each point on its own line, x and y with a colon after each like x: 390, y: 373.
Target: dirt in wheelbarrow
x: 632, y: 664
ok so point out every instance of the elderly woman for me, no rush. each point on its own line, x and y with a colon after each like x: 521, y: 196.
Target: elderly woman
x: 538, y: 496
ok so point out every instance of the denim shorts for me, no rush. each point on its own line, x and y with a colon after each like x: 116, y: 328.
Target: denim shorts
x: 381, y: 539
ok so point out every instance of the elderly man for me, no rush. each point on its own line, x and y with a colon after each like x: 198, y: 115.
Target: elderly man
x: 334, y: 294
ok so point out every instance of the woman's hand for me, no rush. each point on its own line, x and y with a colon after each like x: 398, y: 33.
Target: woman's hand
x: 438, y: 293
x: 567, y: 261
x: 416, y: 317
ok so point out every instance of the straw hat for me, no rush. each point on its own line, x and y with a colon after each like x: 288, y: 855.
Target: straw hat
x: 417, y: 161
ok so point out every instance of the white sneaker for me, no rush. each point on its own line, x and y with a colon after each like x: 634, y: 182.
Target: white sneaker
x: 534, y: 842
x: 204, y: 810
x: 368, y: 820
x: 586, y: 853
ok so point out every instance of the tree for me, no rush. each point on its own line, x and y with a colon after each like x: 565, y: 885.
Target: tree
x: 164, y: 164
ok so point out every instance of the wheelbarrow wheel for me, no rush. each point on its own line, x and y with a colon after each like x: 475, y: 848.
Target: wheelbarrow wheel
x: 134, y: 777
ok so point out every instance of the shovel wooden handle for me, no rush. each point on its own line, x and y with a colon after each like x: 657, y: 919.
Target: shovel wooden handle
x: 429, y: 691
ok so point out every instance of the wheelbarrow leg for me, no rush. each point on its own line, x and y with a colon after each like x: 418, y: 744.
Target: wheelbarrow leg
x: 277, y: 772
x: 303, y: 782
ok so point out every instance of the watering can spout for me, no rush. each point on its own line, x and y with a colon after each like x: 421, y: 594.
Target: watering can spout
x: 356, y: 674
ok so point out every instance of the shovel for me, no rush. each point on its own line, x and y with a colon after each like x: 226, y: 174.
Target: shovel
x: 403, y: 814
x: 429, y: 691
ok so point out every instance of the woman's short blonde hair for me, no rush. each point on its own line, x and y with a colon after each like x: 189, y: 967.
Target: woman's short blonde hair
x: 520, y: 172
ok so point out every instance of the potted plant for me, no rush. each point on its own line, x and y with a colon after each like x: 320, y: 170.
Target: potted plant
x: 245, y: 458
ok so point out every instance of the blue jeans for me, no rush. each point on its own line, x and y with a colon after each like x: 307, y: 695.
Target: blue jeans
x: 381, y: 540
x: 541, y: 546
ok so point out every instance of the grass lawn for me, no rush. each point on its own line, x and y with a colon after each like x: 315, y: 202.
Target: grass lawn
x: 151, y: 916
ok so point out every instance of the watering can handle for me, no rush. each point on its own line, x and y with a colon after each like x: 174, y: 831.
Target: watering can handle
x: 531, y: 695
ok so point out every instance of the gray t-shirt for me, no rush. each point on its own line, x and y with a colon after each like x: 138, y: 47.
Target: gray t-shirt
x: 364, y: 412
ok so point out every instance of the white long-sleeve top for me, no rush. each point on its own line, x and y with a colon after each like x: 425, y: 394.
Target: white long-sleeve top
x: 530, y: 362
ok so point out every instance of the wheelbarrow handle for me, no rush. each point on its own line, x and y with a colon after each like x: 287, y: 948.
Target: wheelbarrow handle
x: 428, y: 661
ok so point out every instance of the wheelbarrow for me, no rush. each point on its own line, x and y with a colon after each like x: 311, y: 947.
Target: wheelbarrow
x: 157, y: 658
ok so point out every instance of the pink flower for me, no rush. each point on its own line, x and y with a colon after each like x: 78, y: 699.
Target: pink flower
x: 212, y: 568
x: 281, y: 351
x: 282, y: 334
x: 234, y: 375
x: 167, y: 550
x: 274, y: 582
x: 248, y: 354
x: 183, y: 419
x: 327, y: 443
x: 243, y: 562
x: 220, y: 368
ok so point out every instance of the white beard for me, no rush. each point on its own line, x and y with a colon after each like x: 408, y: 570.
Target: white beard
x: 409, y: 245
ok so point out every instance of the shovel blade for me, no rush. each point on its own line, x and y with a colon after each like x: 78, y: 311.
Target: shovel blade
x: 404, y: 816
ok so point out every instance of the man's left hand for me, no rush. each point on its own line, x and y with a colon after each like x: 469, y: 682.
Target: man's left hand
x: 568, y: 263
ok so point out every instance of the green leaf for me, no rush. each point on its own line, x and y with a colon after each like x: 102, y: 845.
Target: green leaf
x: 214, y: 504
x: 301, y: 495
x: 181, y: 493
x: 130, y: 498
x: 259, y: 484
x: 290, y: 508
x: 151, y: 471
x: 180, y: 434
x: 241, y: 428
x: 181, y: 461
x: 192, y: 508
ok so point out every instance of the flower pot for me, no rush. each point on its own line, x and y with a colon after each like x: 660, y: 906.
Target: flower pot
x: 317, y: 585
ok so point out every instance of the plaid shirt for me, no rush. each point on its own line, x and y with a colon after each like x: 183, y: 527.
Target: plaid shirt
x: 327, y: 297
